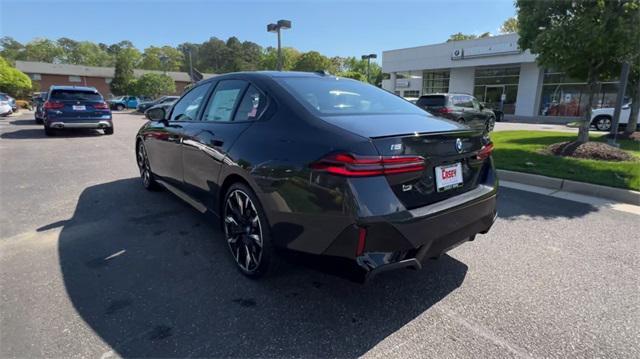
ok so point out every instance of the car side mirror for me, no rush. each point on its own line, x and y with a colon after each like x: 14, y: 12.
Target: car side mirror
x: 156, y: 114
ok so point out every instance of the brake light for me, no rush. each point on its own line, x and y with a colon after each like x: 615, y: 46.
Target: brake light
x: 444, y: 110
x: 49, y: 105
x: 101, y: 106
x: 485, y: 151
x: 343, y: 164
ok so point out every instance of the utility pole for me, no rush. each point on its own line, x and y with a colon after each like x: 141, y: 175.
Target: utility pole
x: 190, y: 67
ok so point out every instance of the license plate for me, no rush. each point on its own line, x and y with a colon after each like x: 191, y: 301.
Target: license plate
x: 448, y: 177
x: 79, y: 108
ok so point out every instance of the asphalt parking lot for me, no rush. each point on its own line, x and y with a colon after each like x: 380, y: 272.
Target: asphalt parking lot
x: 92, y: 265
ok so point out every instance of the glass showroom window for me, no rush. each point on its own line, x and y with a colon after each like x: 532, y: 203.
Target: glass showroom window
x: 435, y: 82
x: 494, y: 83
x: 564, y: 96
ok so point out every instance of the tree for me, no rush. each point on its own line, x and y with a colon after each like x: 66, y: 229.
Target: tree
x: 460, y: 36
x: 164, y: 58
x: 269, y: 59
x: 12, y: 50
x: 13, y: 81
x: 83, y: 53
x: 586, y: 39
x: 123, y: 80
x: 43, y: 50
x: 154, y: 85
x: 312, y: 61
x: 634, y: 91
x: 510, y: 25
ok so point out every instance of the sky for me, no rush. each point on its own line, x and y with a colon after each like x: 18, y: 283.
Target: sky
x: 332, y: 27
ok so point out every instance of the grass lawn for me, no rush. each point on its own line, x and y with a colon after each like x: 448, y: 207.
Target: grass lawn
x: 514, y: 149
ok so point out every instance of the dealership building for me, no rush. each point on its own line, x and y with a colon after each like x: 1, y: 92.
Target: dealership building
x: 495, y: 71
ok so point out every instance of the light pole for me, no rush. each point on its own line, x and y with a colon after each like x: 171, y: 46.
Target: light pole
x: 281, y: 24
x: 368, y: 58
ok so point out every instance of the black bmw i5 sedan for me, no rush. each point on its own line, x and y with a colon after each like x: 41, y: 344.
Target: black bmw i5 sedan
x: 324, y: 165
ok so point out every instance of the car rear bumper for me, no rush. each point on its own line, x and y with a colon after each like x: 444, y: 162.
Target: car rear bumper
x: 407, y: 238
x: 60, y: 124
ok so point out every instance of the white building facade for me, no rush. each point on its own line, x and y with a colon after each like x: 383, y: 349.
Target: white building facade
x: 495, y: 71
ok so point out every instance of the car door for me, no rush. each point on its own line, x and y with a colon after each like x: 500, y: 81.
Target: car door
x: 231, y: 109
x: 164, y: 138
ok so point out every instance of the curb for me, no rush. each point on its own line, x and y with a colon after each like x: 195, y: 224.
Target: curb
x: 559, y: 184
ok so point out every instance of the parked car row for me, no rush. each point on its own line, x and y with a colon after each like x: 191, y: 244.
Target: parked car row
x: 143, y: 106
x: 459, y: 107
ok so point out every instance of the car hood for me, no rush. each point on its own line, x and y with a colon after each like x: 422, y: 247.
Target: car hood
x: 383, y: 125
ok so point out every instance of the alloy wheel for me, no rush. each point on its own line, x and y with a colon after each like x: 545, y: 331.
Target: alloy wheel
x: 243, y: 231
x: 143, y: 165
x: 603, y: 124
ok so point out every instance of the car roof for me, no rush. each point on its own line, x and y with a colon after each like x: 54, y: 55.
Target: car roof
x: 77, y: 88
x: 270, y: 74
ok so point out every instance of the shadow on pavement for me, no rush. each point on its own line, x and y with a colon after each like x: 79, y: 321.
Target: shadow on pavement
x: 30, y: 122
x: 153, y: 278
x: 37, y: 133
x: 512, y: 204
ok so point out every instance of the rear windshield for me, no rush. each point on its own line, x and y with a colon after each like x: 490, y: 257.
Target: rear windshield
x: 339, y: 96
x: 75, y: 95
x: 431, y: 101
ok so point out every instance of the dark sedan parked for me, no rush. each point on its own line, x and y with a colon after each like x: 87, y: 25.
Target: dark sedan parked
x: 462, y: 108
x: 143, y: 106
x: 323, y: 165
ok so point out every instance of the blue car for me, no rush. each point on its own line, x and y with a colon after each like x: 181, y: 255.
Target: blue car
x: 76, y: 107
x: 123, y: 102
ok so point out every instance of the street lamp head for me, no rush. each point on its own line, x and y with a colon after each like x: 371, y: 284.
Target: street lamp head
x: 364, y: 57
x: 373, y: 56
x: 272, y: 28
x: 284, y: 24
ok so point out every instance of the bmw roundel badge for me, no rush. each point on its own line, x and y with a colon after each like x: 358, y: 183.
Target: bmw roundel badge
x: 459, y: 145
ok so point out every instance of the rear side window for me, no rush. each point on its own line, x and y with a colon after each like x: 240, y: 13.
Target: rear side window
x: 431, y: 101
x: 462, y: 101
x: 251, y: 105
x: 75, y: 95
x: 224, y: 100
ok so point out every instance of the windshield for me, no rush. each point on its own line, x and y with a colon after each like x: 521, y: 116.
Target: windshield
x: 75, y: 95
x: 340, y: 96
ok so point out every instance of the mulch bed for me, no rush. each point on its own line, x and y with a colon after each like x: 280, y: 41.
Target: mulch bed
x: 589, y: 150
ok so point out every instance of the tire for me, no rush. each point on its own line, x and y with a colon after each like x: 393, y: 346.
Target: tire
x: 108, y: 131
x: 120, y: 107
x: 148, y: 179
x: 602, y: 123
x: 39, y: 121
x: 251, y: 247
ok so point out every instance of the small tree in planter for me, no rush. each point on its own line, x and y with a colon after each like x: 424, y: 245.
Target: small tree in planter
x: 587, y: 39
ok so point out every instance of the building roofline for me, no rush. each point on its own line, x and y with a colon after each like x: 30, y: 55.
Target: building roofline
x: 462, y: 42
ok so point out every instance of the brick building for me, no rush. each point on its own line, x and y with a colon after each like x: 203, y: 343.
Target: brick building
x: 47, y: 74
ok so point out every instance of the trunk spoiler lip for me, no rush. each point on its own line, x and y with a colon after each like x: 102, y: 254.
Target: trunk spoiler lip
x: 468, y: 132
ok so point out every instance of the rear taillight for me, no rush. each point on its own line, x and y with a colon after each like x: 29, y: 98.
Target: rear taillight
x: 101, y: 106
x: 362, y: 241
x: 50, y: 105
x: 344, y: 164
x: 485, y: 151
x: 444, y: 110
